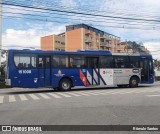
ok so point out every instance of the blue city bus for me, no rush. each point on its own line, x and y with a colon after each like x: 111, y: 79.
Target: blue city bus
x: 63, y: 70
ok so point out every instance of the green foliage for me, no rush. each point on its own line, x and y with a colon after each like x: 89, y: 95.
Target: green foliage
x: 136, y: 47
x: 157, y: 64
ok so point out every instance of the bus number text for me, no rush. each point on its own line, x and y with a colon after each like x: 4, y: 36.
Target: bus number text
x: 24, y: 71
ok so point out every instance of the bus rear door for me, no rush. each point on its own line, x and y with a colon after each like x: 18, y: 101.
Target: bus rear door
x: 92, y: 72
x: 44, y: 70
x: 144, y: 65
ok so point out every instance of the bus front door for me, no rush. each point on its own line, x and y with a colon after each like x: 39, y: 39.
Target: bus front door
x: 144, y: 65
x: 44, y: 68
x: 92, y: 72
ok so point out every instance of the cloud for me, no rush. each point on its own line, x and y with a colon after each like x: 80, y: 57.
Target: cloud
x: 125, y: 8
x: 13, y: 11
x: 20, y: 38
x: 68, y: 3
x: 154, y: 47
x: 130, y: 5
x: 29, y: 38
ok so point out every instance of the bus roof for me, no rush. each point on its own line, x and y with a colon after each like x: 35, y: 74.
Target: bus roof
x: 78, y: 52
x: 88, y: 52
x: 128, y: 54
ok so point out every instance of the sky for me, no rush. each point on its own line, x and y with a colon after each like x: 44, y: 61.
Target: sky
x: 24, y: 22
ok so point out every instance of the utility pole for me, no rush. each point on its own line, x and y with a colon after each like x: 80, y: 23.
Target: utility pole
x: 0, y: 30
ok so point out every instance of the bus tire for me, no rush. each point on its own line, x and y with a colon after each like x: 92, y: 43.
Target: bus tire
x: 65, y: 84
x: 133, y: 82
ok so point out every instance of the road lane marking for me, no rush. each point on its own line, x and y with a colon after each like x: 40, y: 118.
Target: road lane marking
x: 103, y: 92
x: 123, y: 91
x: 141, y: 91
x: 74, y: 94
x: 54, y: 95
x: 1, y: 99
x: 158, y: 95
x: 44, y: 96
x: 23, y: 97
x: 63, y: 94
x: 83, y: 94
x: 12, y: 98
x: 91, y: 92
x: 34, y: 97
x: 119, y: 91
x: 112, y: 92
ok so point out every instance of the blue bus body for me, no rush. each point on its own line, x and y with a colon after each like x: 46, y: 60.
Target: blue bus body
x: 32, y: 75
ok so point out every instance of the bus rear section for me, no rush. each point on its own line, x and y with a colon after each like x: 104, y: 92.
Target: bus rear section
x: 21, y: 70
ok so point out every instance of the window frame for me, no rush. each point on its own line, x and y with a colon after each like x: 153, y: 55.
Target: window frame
x: 25, y: 54
x: 126, y: 65
x: 52, y: 60
x: 107, y: 56
x: 130, y: 61
x: 82, y: 56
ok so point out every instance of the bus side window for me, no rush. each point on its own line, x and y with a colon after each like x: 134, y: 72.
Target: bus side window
x: 71, y: 62
x: 24, y: 65
x: 30, y: 65
x: 116, y: 65
x: 60, y: 61
x: 106, y: 62
x: 20, y: 65
x: 121, y: 61
x: 47, y: 62
x: 76, y: 61
x: 40, y: 64
x: 134, y: 62
x: 55, y: 63
x: 25, y: 60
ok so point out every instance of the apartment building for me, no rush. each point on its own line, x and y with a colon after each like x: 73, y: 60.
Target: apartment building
x: 53, y: 42
x: 82, y: 37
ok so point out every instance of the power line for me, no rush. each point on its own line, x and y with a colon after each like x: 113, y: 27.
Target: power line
x: 85, y: 7
x: 104, y: 26
x: 153, y: 28
x: 87, y: 14
x: 95, y: 18
x: 33, y: 15
x: 132, y: 23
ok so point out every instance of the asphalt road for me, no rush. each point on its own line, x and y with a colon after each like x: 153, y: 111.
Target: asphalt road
x: 98, y: 106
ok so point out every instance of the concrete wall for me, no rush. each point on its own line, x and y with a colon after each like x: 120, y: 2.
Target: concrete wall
x: 74, y: 40
x: 47, y: 42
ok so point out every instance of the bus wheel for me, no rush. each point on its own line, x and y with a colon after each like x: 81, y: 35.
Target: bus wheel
x: 65, y: 84
x: 133, y: 82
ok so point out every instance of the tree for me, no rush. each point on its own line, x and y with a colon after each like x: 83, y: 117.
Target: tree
x: 3, y: 65
x: 136, y: 47
x: 157, y: 64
